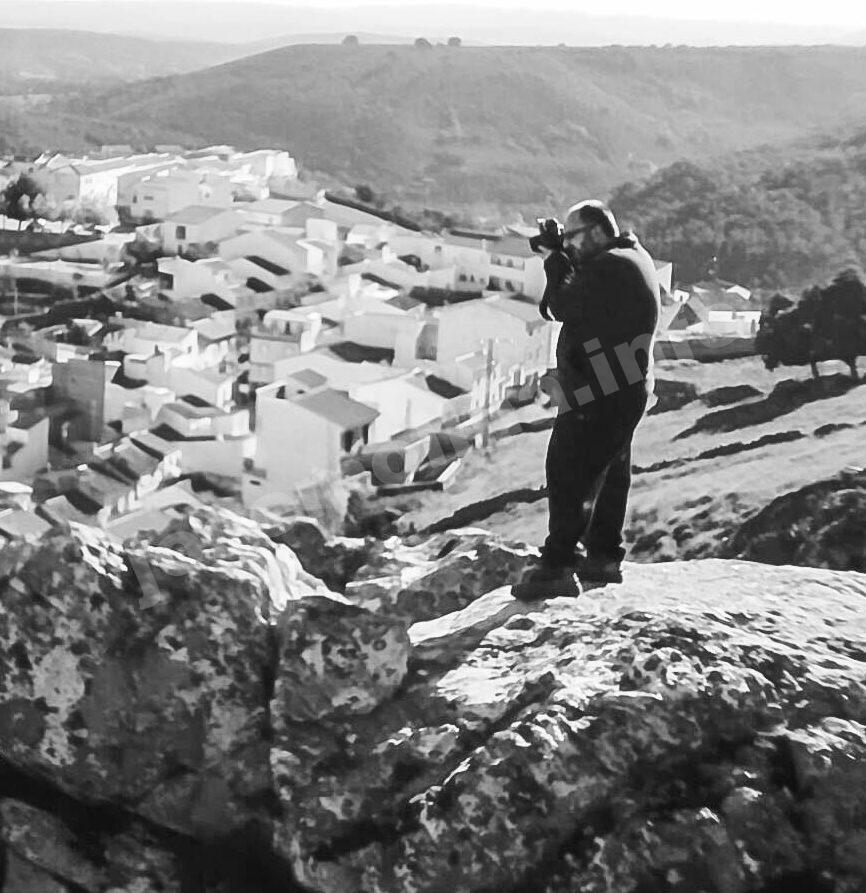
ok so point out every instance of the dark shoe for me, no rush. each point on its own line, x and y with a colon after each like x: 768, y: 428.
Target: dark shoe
x: 598, y: 570
x: 545, y: 581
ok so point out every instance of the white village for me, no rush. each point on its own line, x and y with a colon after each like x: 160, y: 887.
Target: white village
x: 182, y: 324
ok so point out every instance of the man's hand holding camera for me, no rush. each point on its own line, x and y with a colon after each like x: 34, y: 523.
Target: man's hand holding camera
x: 549, y: 243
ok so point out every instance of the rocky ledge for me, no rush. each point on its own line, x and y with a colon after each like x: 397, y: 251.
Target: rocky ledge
x: 194, y: 711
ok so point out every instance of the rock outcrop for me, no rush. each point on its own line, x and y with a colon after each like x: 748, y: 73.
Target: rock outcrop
x: 822, y: 525
x: 194, y: 711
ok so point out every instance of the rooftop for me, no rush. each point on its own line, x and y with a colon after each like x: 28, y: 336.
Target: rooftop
x: 19, y: 523
x: 216, y: 302
x: 359, y: 353
x: 271, y: 205
x: 194, y: 214
x: 522, y: 310
x: 404, y: 302
x: 338, y: 408
x: 309, y: 378
x: 268, y: 265
x: 513, y: 246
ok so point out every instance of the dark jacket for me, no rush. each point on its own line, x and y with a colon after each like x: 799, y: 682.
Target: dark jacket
x: 609, y: 309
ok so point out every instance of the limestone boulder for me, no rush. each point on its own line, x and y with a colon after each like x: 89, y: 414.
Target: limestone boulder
x: 135, y: 677
x: 636, y: 736
x: 438, y: 576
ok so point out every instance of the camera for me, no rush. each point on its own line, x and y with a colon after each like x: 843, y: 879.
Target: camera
x: 549, y: 236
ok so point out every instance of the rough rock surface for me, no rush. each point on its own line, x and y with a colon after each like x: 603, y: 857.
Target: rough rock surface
x: 334, y: 561
x: 438, y: 575
x: 700, y: 728
x: 822, y: 525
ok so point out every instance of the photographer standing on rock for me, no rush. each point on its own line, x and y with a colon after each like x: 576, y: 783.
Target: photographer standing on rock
x: 602, y: 285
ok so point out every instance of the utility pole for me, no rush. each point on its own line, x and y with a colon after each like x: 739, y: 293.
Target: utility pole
x: 488, y: 387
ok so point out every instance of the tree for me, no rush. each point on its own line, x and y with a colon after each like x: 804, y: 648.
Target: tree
x: 827, y: 323
x: 423, y: 43
x: 22, y: 199
x: 455, y: 42
x: 838, y: 316
x: 351, y: 40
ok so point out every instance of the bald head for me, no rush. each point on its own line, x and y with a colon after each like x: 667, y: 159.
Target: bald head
x: 591, y: 213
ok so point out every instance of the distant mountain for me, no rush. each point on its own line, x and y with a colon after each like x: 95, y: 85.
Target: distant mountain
x: 252, y: 21
x: 326, y: 38
x: 43, y: 59
x: 779, y: 217
x: 526, y: 127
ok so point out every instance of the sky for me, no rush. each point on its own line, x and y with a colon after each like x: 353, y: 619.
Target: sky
x: 826, y: 12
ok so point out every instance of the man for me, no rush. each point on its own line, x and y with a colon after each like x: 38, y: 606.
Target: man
x: 604, y: 289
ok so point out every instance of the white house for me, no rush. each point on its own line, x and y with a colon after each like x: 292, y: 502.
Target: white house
x: 514, y: 267
x: 269, y: 212
x: 191, y: 417
x: 159, y: 195
x: 301, y: 438
x: 182, y: 279
x: 520, y: 338
x: 101, y: 182
x: 267, y: 163
x: 138, y: 337
x: 283, y: 334
x: 198, y: 225
x: 23, y: 444
x: 286, y: 248
x: 402, y: 401
x: 384, y: 323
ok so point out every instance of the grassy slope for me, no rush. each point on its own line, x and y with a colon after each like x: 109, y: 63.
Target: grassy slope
x: 710, y: 496
x: 519, y: 126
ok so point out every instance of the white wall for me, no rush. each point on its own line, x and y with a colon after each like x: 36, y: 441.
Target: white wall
x: 219, y: 456
x: 33, y: 455
x: 215, y: 229
x: 294, y: 446
x: 400, y: 406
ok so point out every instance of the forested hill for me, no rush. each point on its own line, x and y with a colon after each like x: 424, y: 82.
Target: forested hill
x: 527, y: 127
x: 780, y: 217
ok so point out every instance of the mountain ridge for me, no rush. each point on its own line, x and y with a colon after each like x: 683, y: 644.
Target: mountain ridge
x: 540, y: 124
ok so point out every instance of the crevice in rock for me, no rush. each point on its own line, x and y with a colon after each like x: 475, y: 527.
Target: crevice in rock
x: 389, y: 826
x: 242, y: 862
x: 806, y: 881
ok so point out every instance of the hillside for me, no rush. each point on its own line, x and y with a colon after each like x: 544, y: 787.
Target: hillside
x: 53, y: 61
x: 692, y: 492
x: 781, y: 216
x: 528, y: 127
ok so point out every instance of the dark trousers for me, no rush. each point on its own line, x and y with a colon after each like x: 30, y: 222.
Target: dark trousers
x: 589, y: 475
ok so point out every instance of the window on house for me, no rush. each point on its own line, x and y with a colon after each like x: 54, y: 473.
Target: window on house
x: 180, y: 232
x: 135, y: 199
x: 347, y: 438
x: 148, y: 198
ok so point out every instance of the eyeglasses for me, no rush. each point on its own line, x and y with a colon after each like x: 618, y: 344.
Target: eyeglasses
x: 571, y: 233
